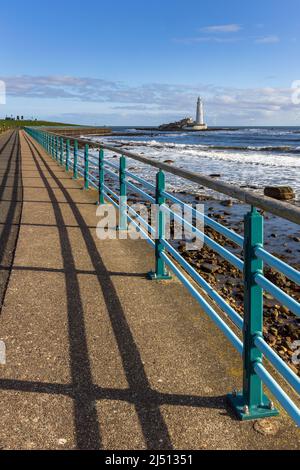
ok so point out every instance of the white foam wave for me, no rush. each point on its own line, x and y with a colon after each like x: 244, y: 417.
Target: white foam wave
x: 242, y: 168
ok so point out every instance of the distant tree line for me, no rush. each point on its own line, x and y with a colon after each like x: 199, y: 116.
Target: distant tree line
x: 17, y: 118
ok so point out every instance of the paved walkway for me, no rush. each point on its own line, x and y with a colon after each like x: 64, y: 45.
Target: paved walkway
x: 97, y: 355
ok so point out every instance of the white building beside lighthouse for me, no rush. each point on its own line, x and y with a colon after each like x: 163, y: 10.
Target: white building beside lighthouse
x: 198, y: 124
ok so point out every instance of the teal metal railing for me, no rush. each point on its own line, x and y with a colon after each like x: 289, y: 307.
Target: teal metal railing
x: 251, y: 402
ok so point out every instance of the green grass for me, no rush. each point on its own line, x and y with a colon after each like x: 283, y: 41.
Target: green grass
x: 5, y: 125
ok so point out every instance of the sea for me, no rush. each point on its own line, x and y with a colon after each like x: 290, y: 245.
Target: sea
x: 247, y: 157
x: 250, y: 157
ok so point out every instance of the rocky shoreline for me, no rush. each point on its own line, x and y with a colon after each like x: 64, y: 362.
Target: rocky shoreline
x: 281, y: 327
x: 173, y: 127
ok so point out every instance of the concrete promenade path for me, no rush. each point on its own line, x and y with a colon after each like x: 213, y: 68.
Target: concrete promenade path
x: 99, y: 357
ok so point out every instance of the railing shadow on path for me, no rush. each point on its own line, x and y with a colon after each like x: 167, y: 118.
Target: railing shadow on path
x: 10, y: 209
x: 85, y: 394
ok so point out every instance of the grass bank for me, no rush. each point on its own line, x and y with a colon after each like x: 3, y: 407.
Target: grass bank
x: 5, y: 124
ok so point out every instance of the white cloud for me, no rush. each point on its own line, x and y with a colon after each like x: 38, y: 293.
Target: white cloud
x: 223, y: 28
x: 111, y: 101
x: 227, y: 99
x: 2, y: 92
x: 213, y: 34
x: 200, y: 39
x: 272, y: 39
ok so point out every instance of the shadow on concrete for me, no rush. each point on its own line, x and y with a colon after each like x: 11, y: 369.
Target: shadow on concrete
x: 83, y: 391
x: 152, y: 423
x: 85, y: 413
x: 153, y: 398
x: 10, y: 209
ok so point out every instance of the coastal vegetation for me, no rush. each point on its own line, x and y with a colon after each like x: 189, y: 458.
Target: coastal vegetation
x: 6, y: 124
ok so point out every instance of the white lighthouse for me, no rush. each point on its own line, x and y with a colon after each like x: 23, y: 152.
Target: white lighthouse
x: 199, y: 113
x: 198, y: 124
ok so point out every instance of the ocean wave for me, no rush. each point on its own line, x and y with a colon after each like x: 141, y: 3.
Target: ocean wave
x: 244, y: 168
x: 237, y: 148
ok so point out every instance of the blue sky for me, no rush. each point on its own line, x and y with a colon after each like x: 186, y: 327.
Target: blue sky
x: 143, y: 63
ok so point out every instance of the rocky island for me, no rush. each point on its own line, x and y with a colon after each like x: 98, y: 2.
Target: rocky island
x: 177, y: 125
x: 188, y: 124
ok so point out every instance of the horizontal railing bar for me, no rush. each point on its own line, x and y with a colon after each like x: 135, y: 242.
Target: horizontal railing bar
x: 92, y: 177
x: 235, y: 341
x: 233, y: 315
x: 80, y: 169
x: 112, y: 173
x: 141, y: 180
x: 143, y: 221
x: 93, y: 184
x: 111, y: 200
x: 279, y: 294
x: 277, y: 264
x: 237, y: 239
x: 93, y: 167
x: 113, y: 165
x: 230, y: 257
x: 278, y: 363
x: 146, y: 236
x: 92, y: 157
x: 128, y: 217
x: 110, y: 191
x: 279, y: 208
x: 141, y: 192
x: 290, y: 407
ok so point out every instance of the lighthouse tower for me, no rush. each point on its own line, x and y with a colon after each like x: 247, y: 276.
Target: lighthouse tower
x: 199, y: 113
x: 199, y: 124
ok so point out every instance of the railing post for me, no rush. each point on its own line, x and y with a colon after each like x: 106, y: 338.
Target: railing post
x: 61, y: 151
x: 75, y: 162
x: 251, y: 403
x: 56, y: 148
x: 101, y: 177
x: 86, y: 167
x: 67, y: 154
x: 123, y: 195
x: 160, y: 268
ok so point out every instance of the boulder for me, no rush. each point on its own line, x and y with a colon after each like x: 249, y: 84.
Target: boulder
x: 209, y: 268
x: 283, y: 193
x: 227, y: 203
